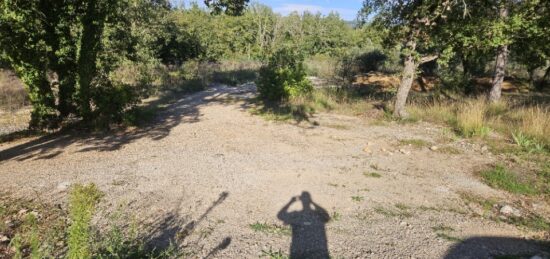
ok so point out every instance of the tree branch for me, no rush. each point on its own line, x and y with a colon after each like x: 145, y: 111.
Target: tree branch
x: 428, y: 58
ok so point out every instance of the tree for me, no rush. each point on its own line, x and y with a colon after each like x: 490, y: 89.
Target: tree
x: 229, y: 7
x: 414, y: 24
x: 82, y: 43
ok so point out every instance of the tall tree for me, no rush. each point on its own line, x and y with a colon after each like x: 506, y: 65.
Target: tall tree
x: 413, y: 24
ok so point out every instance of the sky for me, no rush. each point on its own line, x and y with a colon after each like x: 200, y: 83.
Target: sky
x: 346, y: 8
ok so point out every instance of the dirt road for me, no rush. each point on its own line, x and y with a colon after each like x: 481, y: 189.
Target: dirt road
x: 223, y: 183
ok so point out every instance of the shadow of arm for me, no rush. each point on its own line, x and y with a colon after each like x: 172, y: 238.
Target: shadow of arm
x: 283, y: 213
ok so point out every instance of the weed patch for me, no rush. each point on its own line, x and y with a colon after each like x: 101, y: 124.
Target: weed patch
x: 500, y: 177
x: 417, y: 143
x: 397, y: 212
x: 271, y: 228
x: 372, y: 174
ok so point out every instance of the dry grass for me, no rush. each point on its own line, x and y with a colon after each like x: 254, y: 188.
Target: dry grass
x: 471, y: 119
x: 333, y: 100
x: 12, y: 93
x: 475, y: 117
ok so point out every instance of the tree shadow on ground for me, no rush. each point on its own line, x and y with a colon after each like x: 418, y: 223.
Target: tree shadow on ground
x: 175, y: 111
x: 172, y: 229
x: 309, y: 238
x: 498, y: 247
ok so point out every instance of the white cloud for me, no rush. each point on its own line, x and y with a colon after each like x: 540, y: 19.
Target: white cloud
x: 285, y: 9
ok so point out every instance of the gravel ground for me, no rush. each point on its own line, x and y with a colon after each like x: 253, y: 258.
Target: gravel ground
x: 207, y: 170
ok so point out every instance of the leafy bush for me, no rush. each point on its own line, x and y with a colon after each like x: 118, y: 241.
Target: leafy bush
x: 284, y: 76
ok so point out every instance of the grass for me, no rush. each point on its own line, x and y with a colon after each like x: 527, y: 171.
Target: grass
x: 271, y: 228
x: 417, y: 143
x: 34, y: 230
x: 357, y: 198
x: 443, y: 232
x: 449, y: 150
x: 529, y: 220
x: 272, y: 254
x: 399, y: 212
x: 449, y: 237
x: 475, y: 117
x: 372, y: 174
x: 500, y: 177
x: 82, y: 202
x: 336, y: 216
x: 45, y: 231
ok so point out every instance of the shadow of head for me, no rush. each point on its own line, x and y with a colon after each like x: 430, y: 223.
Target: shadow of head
x: 495, y: 247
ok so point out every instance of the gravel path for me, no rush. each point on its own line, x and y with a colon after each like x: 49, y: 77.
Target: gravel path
x: 207, y: 170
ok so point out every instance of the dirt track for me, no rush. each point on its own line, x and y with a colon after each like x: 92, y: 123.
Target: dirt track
x: 207, y: 169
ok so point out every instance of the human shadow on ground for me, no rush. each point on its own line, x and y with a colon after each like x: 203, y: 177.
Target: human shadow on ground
x: 175, y: 110
x: 172, y: 229
x: 498, y: 247
x: 309, y: 239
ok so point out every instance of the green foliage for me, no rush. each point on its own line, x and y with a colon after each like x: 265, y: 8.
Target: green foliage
x: 271, y: 228
x: 82, y: 202
x: 500, y: 177
x: 283, y: 77
x: 526, y: 143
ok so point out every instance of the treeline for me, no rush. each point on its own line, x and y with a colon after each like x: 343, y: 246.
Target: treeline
x: 93, y: 59
x: 465, y: 36
x: 194, y: 33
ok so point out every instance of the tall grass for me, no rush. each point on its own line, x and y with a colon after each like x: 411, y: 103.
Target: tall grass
x: 83, y: 200
x: 475, y: 117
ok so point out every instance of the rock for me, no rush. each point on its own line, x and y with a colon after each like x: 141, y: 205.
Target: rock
x: 484, y: 149
x: 403, y: 151
x: 4, y: 239
x: 508, y: 210
x: 9, y: 223
x: 22, y: 212
x: 62, y: 186
x: 434, y: 148
x: 403, y: 224
x: 537, y: 257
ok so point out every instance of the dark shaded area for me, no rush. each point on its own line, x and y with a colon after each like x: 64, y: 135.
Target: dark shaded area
x: 498, y: 247
x: 309, y: 238
x: 172, y: 228
x: 173, y: 112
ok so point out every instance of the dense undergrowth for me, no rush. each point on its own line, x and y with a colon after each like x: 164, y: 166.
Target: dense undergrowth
x: 38, y: 230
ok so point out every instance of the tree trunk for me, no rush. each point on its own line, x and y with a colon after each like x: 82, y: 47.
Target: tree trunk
x: 544, y: 78
x: 92, y: 30
x: 404, y: 87
x: 500, y: 66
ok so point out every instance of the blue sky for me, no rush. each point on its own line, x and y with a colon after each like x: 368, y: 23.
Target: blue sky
x: 346, y: 8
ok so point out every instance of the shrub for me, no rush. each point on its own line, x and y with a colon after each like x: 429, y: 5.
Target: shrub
x: 284, y: 76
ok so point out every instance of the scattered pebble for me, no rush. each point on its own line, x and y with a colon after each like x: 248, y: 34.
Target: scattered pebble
x: 62, y: 186
x: 4, y: 239
x: 508, y: 210
x: 434, y: 148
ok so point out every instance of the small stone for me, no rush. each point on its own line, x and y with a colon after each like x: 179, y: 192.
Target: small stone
x: 403, y: 151
x: 434, y: 148
x: 484, y: 149
x: 9, y: 223
x: 509, y: 211
x: 403, y: 223
x: 62, y: 186
x: 4, y: 239
x: 537, y: 257
x: 22, y: 212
